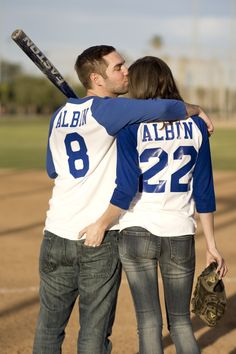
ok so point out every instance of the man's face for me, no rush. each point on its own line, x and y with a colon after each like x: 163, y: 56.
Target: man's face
x: 116, y: 80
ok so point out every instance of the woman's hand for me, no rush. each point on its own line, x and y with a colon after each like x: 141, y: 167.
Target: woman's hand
x: 213, y: 255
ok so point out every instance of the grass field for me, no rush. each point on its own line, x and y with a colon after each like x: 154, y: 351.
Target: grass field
x: 223, y: 149
x: 23, y: 144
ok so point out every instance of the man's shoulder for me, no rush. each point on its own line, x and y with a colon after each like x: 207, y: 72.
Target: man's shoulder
x: 80, y: 100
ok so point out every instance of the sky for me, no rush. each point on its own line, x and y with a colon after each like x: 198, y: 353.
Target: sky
x: 63, y: 29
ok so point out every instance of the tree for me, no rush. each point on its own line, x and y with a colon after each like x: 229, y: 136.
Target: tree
x: 156, y: 42
x: 9, y: 71
x: 21, y: 93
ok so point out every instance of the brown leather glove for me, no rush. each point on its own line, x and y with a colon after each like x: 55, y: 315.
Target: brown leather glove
x: 209, y: 297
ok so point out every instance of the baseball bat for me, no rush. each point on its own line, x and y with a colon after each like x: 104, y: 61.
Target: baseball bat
x: 42, y: 62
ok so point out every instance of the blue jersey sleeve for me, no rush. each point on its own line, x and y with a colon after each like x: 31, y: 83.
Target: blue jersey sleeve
x: 127, y: 170
x: 115, y: 113
x: 203, y: 185
x: 49, y: 160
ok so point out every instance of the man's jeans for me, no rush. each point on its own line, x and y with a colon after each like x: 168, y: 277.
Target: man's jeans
x: 140, y: 253
x: 69, y: 269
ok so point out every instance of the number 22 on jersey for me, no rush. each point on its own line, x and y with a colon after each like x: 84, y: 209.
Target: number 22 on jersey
x: 162, y: 156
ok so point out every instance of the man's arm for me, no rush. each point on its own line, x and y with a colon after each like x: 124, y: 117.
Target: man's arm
x: 193, y: 110
x: 49, y: 160
x: 115, y: 113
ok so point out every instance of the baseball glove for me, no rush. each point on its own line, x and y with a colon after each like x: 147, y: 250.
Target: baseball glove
x: 209, y: 297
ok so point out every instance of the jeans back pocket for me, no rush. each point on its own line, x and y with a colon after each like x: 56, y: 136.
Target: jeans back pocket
x: 134, y: 243
x: 182, y: 249
x: 45, y: 263
x: 96, y: 262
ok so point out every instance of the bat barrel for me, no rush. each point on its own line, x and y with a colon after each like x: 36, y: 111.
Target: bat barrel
x: 42, y: 62
x: 16, y: 34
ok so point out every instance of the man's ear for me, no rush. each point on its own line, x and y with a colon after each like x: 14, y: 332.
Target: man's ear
x: 96, y: 79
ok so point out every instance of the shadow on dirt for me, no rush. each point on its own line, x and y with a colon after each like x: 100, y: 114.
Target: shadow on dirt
x: 226, y: 325
x: 19, y: 306
x: 15, y: 230
x: 24, y: 193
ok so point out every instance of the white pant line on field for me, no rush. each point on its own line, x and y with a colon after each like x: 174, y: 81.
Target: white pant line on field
x: 18, y: 290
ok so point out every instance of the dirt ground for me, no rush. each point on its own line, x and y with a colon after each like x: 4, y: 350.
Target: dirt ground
x: 24, y: 200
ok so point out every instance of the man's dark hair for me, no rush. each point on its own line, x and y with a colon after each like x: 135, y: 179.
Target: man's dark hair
x: 92, y: 61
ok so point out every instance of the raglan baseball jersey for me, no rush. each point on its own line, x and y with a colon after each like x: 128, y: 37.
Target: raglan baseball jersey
x: 81, y: 155
x: 163, y: 174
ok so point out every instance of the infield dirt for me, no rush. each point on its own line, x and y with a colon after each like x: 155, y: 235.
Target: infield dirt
x: 24, y: 199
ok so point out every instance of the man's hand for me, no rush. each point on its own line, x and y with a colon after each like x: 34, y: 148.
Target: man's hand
x: 207, y: 120
x: 94, y: 234
x: 196, y: 110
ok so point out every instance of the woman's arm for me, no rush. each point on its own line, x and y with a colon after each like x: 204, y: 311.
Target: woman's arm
x: 115, y: 113
x: 212, y: 253
x: 204, y: 197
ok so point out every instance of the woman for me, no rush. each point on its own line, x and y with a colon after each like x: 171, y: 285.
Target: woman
x: 164, y: 173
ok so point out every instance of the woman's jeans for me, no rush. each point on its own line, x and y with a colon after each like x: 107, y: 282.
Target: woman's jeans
x: 140, y: 253
x: 69, y: 269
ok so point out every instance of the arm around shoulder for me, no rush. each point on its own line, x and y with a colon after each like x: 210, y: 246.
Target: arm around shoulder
x: 193, y: 110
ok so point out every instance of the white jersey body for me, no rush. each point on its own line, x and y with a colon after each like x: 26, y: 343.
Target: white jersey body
x: 171, y: 168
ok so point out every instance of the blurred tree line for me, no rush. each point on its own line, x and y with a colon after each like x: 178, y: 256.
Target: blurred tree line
x: 25, y: 94
x: 21, y: 93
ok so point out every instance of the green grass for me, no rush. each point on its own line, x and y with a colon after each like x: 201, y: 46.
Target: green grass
x: 223, y: 149
x: 23, y: 144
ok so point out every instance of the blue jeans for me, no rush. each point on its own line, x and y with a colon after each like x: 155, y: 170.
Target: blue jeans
x: 140, y: 253
x: 69, y: 269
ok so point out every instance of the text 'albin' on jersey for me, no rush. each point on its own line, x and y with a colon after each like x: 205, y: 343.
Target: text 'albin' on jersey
x: 76, y: 119
x: 175, y: 130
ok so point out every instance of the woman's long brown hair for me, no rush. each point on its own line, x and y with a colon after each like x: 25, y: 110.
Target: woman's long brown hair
x: 151, y: 77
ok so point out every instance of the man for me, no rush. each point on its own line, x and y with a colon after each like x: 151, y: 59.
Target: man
x: 81, y: 156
